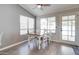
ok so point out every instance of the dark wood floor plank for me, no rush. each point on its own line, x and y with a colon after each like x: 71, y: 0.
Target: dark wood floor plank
x: 53, y: 49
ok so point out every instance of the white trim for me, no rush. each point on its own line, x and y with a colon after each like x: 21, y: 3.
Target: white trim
x: 7, y: 47
x: 65, y: 42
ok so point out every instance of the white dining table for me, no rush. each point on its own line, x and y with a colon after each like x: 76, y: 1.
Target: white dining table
x: 33, y: 35
x: 40, y: 39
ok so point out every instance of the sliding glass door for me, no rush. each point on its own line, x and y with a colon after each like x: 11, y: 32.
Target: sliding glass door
x: 68, y: 28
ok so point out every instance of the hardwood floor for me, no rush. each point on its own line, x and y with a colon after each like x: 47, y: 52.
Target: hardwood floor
x: 53, y: 49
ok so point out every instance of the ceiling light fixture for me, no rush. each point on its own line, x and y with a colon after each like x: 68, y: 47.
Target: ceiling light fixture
x: 39, y: 6
x: 42, y: 5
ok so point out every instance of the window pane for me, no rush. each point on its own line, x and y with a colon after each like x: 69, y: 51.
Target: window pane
x: 22, y: 32
x: 65, y: 18
x: 31, y: 23
x: 71, y: 38
x: 26, y: 23
x: 42, y: 32
x: 73, y: 28
x: 45, y: 32
x: 48, y: 24
x: 64, y: 27
x: 23, y: 19
x: 53, y: 31
x: 49, y: 31
x: 31, y: 30
x: 73, y: 33
x: 69, y: 28
x: 64, y: 37
x: 23, y: 25
x: 44, y: 23
x: 72, y: 17
x: 69, y: 33
x: 51, y: 19
x: 73, y: 22
x: 70, y: 23
x: 64, y: 23
x: 64, y: 32
x: 51, y: 26
x: 51, y: 23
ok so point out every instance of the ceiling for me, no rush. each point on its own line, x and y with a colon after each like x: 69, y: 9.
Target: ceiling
x: 47, y: 10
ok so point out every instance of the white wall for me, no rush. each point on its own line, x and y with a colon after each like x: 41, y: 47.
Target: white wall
x: 10, y: 23
x: 57, y: 36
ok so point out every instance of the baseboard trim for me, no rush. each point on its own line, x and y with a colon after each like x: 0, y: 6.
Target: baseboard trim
x: 10, y: 46
x: 64, y: 43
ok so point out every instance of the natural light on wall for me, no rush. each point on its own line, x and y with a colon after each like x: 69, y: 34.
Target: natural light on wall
x: 26, y: 25
x: 47, y: 25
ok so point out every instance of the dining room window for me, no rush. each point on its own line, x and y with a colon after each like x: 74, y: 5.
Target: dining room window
x: 31, y: 25
x: 68, y: 28
x: 23, y: 25
x: 26, y: 25
x: 47, y: 25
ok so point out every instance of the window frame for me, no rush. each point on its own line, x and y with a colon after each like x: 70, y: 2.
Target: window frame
x: 72, y: 25
x: 48, y: 29
x: 26, y: 28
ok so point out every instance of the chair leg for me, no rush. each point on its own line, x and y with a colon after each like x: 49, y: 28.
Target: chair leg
x: 39, y: 44
x: 29, y: 42
x: 48, y: 41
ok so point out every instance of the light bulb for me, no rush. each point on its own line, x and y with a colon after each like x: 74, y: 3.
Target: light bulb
x: 39, y: 6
